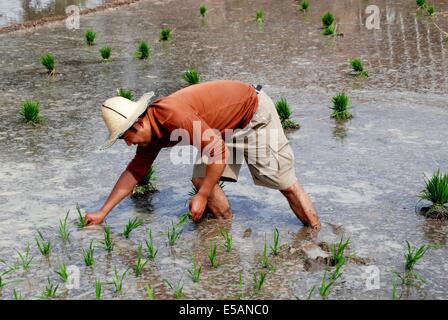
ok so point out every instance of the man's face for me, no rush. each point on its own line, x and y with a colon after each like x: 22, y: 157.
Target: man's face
x: 139, y: 134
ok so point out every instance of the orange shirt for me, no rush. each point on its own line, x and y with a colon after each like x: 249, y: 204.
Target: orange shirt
x: 220, y: 105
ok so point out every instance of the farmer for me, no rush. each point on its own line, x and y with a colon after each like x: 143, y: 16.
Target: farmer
x: 225, y: 121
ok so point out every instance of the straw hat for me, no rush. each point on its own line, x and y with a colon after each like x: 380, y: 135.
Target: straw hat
x: 119, y: 114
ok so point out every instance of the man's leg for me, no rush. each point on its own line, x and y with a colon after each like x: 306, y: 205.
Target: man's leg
x: 217, y: 203
x: 301, y: 204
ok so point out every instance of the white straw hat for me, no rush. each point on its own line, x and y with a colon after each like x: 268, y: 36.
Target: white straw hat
x: 119, y: 114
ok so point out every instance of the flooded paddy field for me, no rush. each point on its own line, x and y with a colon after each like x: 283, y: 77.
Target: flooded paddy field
x: 364, y: 174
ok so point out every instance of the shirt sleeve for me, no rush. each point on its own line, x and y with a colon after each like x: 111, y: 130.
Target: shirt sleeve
x: 143, y: 160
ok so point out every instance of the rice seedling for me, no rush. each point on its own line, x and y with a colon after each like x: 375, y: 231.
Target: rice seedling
x: 81, y: 219
x: 304, y: 5
x: 50, y: 290
x: 49, y: 62
x: 413, y: 255
x: 275, y: 248
x: 165, y: 34
x: 240, y: 287
x: 146, y: 185
x: 43, y: 246
x: 284, y: 113
x: 421, y: 3
x: 149, y: 293
x: 107, y: 243
x: 394, y: 290
x: 88, y: 255
x: 178, y: 294
x: 329, y: 31
x: 228, y: 240
x: 191, y: 76
x: 436, y: 191
x: 338, y: 251
x: 2, y: 283
x: 358, y: 67
x: 128, y: 94
x: 258, y: 280
x: 173, y: 235
x: 264, y: 262
x: 30, y: 112
x: 139, y: 262
x: 341, y: 106
x: 183, y: 218
x: 117, y: 281
x: 16, y: 295
x: 310, y: 292
x: 98, y: 289
x: 259, y: 16
x: 212, y: 255
x: 195, y: 273
x: 132, y: 225
x: 327, y: 19
x: 63, y: 272
x: 203, y: 9
x: 64, y: 233
x: 194, y: 190
x: 144, y: 50
x: 90, y: 36
x: 25, y: 258
x: 151, y: 251
x: 328, y: 282
x: 105, y: 53
x: 430, y: 10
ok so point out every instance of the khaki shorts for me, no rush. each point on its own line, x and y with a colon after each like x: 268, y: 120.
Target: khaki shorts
x: 265, y: 149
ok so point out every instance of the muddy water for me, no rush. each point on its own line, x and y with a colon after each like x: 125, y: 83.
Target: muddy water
x: 364, y: 174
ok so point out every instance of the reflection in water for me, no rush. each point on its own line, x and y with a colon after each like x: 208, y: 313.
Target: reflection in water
x: 340, y: 129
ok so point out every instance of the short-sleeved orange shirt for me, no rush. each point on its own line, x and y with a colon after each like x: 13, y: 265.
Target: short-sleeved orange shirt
x: 219, y: 105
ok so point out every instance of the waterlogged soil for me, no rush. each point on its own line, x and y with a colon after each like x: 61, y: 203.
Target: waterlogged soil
x: 364, y: 175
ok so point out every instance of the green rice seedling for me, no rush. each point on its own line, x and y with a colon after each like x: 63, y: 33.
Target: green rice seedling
x: 132, y: 225
x: 421, y: 3
x: 63, y: 272
x: 105, y: 53
x: 25, y: 258
x: 228, y: 240
x: 394, y: 290
x: 265, y: 263
x: 284, y: 113
x: 128, y: 94
x: 327, y: 19
x: 358, y: 67
x: 178, y: 294
x: 49, y: 62
x: 146, y: 185
x: 117, y: 281
x: 50, y: 290
x: 16, y: 295
x: 151, y: 251
x: 258, y: 280
x: 139, y: 262
x: 240, y: 287
x: 144, y: 50
x: 212, y: 255
x: 43, y: 246
x: 430, y: 10
x: 98, y: 289
x: 88, y: 255
x: 259, y: 16
x: 191, y: 76
x: 436, y: 191
x: 173, y: 235
x: 149, y: 293
x: 90, y: 36
x: 413, y: 255
x: 30, y: 112
x: 328, y: 282
x: 304, y: 5
x: 341, y: 106
x: 203, y: 9
x: 2, y: 283
x: 183, y: 218
x: 64, y: 233
x: 81, y: 219
x: 329, y: 31
x: 275, y: 248
x: 165, y: 34
x: 195, y: 273
x: 107, y: 243
x: 338, y: 251
x: 310, y: 292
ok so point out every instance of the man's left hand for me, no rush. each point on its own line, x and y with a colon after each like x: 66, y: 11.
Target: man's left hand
x: 197, y: 206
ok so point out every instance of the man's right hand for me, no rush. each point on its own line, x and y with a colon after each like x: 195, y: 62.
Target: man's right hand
x: 94, y: 217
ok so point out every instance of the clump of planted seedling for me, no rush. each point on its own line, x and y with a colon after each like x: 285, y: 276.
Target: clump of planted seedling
x: 203, y: 9
x: 43, y: 246
x: 212, y: 255
x: 338, y: 252
x: 195, y: 273
x: 117, y: 281
x: 49, y: 62
x: 178, y: 294
x: 131, y: 226
x: 341, y: 106
x: 228, y: 240
x: 139, y: 262
x: 191, y: 76
x: 50, y: 290
x: 90, y: 36
x: 16, y: 295
x: 258, y: 280
x: 107, y: 243
x: 240, y: 287
x: 413, y: 255
x: 81, y: 219
x: 64, y: 233
x: 421, y: 3
x: 328, y: 22
x: 25, y: 258
x: 143, y: 50
x: 98, y: 289
x: 105, y: 53
x: 149, y: 293
x: 328, y: 280
x: 30, y: 112
x: 275, y: 247
x: 183, y: 218
x: 88, y: 255
x: 304, y: 5
x: 63, y: 272
x: 284, y: 113
x: 259, y: 16
x: 151, y: 251
x: 264, y: 261
x: 436, y: 191
x: 358, y: 67
x: 146, y: 185
x: 165, y: 34
x: 173, y: 234
x: 128, y: 94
